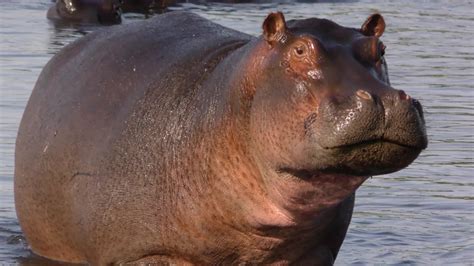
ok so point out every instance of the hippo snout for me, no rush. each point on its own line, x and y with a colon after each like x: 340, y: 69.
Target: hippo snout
x: 384, y: 122
x: 404, y: 121
x: 366, y: 116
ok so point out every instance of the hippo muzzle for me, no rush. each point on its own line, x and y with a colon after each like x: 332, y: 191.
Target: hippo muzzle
x: 371, y: 132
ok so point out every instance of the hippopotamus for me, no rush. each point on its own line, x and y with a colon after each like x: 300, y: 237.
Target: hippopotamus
x: 198, y: 144
x: 105, y: 12
x: 86, y: 11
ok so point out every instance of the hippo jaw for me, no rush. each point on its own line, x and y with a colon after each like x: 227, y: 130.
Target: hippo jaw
x: 339, y: 172
x: 368, y: 158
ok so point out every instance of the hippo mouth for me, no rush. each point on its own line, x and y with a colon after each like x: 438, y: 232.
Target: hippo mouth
x: 368, y: 157
x: 416, y: 146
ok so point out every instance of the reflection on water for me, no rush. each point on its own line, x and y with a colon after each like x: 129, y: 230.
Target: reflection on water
x: 421, y: 215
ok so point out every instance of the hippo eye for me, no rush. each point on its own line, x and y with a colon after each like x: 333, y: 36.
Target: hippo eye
x: 300, y: 50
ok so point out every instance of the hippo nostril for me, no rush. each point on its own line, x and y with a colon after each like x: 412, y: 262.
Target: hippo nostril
x: 403, y: 95
x: 364, y: 95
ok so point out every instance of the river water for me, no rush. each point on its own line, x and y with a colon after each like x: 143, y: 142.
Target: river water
x: 422, y: 215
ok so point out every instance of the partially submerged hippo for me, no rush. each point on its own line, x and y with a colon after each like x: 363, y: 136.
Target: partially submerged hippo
x: 206, y: 145
x: 86, y: 11
x: 103, y: 11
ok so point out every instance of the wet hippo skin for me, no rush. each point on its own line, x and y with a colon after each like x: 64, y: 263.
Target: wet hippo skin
x: 207, y: 145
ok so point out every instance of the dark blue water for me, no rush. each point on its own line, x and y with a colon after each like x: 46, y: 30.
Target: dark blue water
x: 421, y: 215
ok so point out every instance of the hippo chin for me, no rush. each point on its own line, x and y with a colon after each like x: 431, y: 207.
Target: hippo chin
x: 207, y: 145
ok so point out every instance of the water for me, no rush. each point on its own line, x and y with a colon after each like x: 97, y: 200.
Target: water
x: 421, y: 215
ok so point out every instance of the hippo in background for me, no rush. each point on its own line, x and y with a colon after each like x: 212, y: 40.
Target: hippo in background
x: 86, y: 11
x: 206, y: 145
x: 104, y: 12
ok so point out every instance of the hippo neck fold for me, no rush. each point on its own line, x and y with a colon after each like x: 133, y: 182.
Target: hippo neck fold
x: 275, y: 204
x: 229, y: 182
x: 292, y: 193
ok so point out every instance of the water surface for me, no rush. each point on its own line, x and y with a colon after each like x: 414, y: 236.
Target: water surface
x: 421, y: 215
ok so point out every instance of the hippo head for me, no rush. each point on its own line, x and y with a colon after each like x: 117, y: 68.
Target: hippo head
x: 89, y: 11
x: 323, y: 109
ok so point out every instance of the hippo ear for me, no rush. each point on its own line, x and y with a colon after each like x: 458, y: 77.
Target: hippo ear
x: 274, y: 27
x: 373, y: 26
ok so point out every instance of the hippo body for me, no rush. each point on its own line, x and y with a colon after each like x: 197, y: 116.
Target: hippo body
x: 206, y: 145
